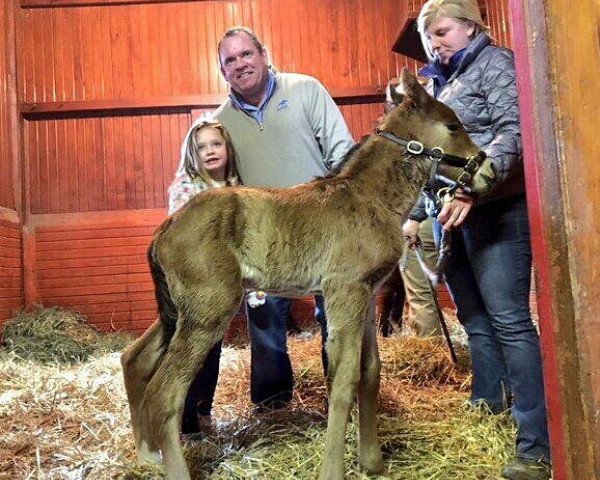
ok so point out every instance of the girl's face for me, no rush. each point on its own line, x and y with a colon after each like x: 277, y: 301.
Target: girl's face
x: 213, y: 152
x: 448, y: 36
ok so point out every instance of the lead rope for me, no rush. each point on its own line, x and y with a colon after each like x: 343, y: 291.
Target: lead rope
x: 434, y: 278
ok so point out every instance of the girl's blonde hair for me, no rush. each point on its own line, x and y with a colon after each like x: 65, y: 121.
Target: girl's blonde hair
x: 462, y: 10
x: 195, y: 169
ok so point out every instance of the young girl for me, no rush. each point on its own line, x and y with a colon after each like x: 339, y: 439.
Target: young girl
x: 207, y: 161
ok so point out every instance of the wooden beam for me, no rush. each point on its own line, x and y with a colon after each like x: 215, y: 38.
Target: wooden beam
x: 14, y: 120
x: 111, y: 105
x: 89, y: 3
x: 151, y: 217
x: 9, y: 215
x: 30, y: 291
x: 368, y: 94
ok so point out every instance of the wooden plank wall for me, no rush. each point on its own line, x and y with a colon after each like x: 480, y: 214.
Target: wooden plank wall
x: 11, y: 284
x: 6, y: 158
x: 107, y: 91
x: 96, y: 264
x: 11, y: 291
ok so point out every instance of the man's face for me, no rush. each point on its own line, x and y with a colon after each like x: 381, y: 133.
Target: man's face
x: 244, y: 66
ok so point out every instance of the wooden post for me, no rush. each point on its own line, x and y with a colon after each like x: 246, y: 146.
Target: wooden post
x: 557, y: 65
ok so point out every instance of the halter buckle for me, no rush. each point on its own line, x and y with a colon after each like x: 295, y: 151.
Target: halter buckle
x: 464, y: 178
x: 414, y: 147
x: 436, y: 153
x: 445, y: 195
x: 471, y: 166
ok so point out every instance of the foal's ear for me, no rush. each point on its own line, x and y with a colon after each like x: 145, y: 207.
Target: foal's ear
x: 394, y: 92
x: 413, y: 89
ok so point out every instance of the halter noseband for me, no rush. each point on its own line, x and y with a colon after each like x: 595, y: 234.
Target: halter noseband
x: 470, y: 165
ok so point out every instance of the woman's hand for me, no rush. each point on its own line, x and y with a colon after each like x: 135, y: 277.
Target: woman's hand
x: 455, y: 211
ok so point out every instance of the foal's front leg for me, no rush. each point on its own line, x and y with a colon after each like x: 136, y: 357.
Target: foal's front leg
x: 346, y: 307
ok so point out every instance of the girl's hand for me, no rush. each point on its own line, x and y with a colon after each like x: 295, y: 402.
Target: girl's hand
x: 455, y: 211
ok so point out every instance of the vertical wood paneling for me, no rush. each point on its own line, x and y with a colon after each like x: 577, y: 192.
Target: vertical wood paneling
x: 134, y: 51
x: 6, y: 157
x: 361, y: 118
x: 102, y: 163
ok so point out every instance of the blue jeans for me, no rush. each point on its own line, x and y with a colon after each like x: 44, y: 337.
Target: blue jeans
x: 489, y: 278
x: 271, y: 376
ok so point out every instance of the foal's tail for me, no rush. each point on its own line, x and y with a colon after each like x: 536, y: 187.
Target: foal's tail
x: 166, y: 307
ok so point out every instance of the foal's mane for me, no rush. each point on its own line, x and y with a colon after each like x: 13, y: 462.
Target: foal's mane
x: 349, y: 159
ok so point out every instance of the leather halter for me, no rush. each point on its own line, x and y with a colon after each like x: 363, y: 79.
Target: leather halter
x: 470, y: 165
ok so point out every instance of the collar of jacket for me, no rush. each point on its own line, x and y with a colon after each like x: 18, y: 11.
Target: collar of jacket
x: 253, y: 111
x: 470, y: 53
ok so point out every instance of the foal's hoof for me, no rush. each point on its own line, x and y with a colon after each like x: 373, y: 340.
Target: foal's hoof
x: 332, y: 471
x: 372, y: 462
x: 332, y: 476
x: 145, y: 455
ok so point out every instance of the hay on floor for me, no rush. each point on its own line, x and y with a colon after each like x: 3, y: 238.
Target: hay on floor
x: 70, y: 419
x: 54, y: 334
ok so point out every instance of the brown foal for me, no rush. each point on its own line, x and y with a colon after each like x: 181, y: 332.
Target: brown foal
x: 340, y: 235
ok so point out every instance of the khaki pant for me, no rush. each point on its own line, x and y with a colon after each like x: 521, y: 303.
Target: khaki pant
x: 422, y: 313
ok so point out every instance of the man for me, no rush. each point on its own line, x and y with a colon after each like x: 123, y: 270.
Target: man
x: 286, y: 130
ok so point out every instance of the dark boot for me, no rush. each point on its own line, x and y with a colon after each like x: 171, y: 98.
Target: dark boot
x: 525, y: 469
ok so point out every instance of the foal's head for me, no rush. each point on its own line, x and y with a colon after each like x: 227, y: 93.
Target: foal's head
x: 417, y: 116
x: 430, y: 128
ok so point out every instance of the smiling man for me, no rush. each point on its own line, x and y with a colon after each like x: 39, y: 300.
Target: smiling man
x: 286, y: 130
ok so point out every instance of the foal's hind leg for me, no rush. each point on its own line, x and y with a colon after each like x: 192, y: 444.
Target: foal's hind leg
x: 346, y: 309
x: 202, y: 322
x: 139, y: 361
x: 369, y: 449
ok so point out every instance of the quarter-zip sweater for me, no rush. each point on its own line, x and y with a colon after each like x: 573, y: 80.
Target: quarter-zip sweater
x: 302, y: 134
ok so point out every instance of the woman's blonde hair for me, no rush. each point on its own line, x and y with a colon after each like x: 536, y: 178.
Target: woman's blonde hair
x: 194, y: 168
x: 462, y: 10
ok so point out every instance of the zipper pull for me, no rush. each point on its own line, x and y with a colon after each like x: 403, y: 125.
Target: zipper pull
x: 261, y: 126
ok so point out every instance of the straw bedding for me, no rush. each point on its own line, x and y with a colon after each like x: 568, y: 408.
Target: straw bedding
x: 63, y: 412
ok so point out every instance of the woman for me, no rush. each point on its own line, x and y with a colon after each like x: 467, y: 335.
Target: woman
x: 489, y: 271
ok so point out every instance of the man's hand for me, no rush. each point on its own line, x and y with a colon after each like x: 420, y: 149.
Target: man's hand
x: 455, y: 210
x: 410, y: 231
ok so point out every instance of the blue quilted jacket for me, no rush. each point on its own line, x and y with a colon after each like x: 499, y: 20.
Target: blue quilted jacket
x: 483, y: 93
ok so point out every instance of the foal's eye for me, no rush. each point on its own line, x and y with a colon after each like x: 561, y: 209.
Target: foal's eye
x: 453, y: 127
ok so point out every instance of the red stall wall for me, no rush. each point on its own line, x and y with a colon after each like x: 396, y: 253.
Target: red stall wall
x: 11, y: 295
x: 108, y: 90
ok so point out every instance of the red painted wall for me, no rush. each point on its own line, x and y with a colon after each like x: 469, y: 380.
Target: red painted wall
x: 11, y: 295
x: 107, y: 92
